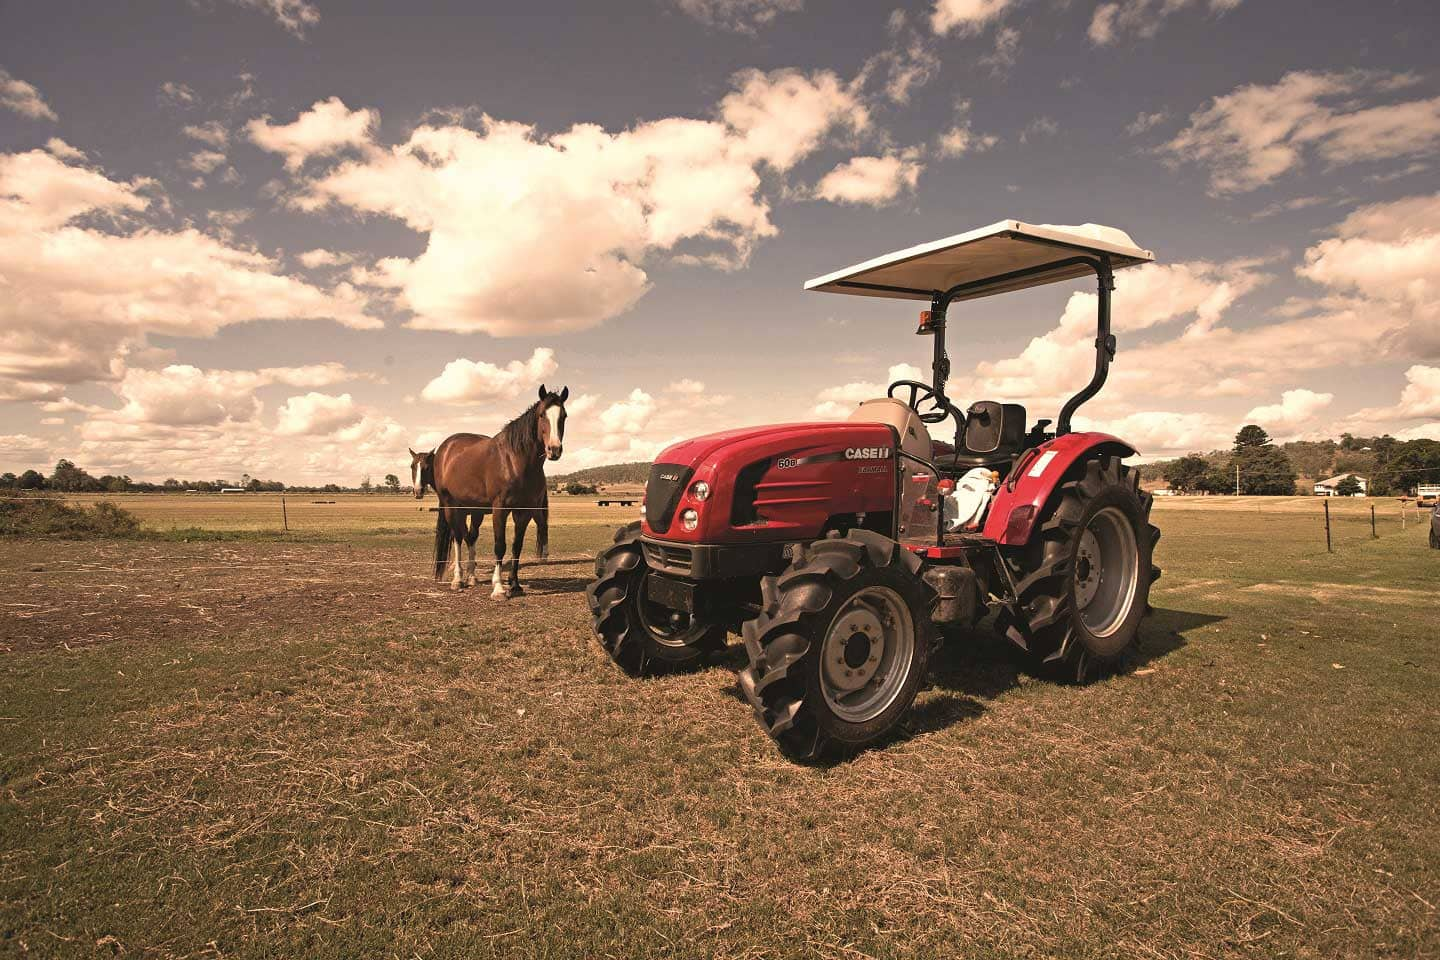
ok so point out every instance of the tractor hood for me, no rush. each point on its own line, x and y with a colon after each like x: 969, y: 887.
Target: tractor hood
x: 770, y: 482
x: 692, y: 453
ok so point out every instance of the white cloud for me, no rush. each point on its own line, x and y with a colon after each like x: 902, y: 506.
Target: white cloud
x: 907, y: 63
x: 1007, y: 48
x: 63, y: 320
x: 1141, y: 18
x: 313, y: 259
x: 327, y: 128
x: 1425, y: 431
x: 205, y: 161
x: 1161, y: 433
x: 295, y: 16
x: 182, y: 395
x: 64, y: 151
x: 317, y: 414
x: 741, y: 16
x: 473, y: 381
x: 965, y: 16
x: 687, y: 386
x: 837, y: 403
x: 873, y: 181
x: 211, y: 133
x: 20, y: 446
x: 1296, y: 407
x: 176, y: 94
x: 960, y: 138
x: 23, y: 98
x: 1255, y: 133
x: 1146, y: 121
x: 530, y: 234
x: 1421, y: 396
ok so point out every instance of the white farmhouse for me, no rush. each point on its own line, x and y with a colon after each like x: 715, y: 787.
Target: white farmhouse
x: 1326, y: 488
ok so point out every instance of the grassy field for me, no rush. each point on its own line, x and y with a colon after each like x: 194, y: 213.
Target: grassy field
x: 287, y: 746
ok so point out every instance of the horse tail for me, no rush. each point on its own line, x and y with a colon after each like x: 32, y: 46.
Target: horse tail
x: 442, y: 543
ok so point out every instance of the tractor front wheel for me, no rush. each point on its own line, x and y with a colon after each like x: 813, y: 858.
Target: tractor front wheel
x: 644, y: 638
x: 1084, y: 579
x: 840, y: 647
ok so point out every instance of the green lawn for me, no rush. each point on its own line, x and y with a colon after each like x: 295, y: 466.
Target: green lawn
x: 270, y: 749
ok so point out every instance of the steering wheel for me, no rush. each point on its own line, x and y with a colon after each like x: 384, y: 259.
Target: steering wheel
x: 940, y: 408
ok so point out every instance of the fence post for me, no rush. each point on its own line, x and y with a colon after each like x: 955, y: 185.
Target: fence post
x: 284, y: 517
x: 1373, y: 534
x: 1328, y: 547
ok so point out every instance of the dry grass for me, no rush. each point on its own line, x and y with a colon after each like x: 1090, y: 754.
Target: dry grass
x: 264, y: 749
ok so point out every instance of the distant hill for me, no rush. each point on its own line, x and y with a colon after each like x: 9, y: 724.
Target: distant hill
x: 634, y: 473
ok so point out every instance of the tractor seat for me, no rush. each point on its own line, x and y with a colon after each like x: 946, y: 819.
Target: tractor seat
x: 994, y: 436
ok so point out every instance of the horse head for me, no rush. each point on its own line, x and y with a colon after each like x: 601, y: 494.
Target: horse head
x: 422, y: 471
x: 552, y: 421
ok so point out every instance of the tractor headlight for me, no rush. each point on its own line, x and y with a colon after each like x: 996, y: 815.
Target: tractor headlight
x: 700, y: 491
x: 689, y: 519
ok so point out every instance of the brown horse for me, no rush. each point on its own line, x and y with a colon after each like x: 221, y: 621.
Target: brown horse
x: 422, y: 472
x: 504, y: 474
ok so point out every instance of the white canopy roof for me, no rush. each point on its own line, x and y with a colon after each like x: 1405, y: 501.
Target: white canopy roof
x: 986, y: 260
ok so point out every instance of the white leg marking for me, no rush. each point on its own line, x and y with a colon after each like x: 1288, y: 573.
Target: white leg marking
x: 497, y: 584
x: 456, y: 582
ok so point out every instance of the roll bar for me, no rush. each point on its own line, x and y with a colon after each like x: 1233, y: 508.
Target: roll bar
x: 1104, y: 339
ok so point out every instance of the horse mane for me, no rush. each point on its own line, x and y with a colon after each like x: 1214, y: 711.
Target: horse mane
x: 522, y: 434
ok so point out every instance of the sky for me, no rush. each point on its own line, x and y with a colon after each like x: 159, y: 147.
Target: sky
x: 292, y: 238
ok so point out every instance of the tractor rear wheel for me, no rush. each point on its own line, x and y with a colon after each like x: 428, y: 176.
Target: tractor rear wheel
x: 1434, y: 539
x: 1084, y: 579
x: 643, y: 637
x: 840, y: 647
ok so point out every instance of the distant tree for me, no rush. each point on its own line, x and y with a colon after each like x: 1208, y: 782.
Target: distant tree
x: 1186, y: 473
x: 72, y: 479
x: 114, y: 484
x: 366, y: 486
x: 1251, y: 435
x: 392, y: 483
x: 31, y: 480
x: 577, y: 489
x: 171, y: 483
x: 1215, y: 481
x: 1413, y: 462
x: 8, y: 481
x: 1264, y: 470
x: 245, y: 481
x: 1347, y: 487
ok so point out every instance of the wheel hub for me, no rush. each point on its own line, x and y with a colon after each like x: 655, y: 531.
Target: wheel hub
x: 1107, y: 571
x: 857, y: 642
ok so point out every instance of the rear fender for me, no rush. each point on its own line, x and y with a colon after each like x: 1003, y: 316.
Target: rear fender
x: 1014, y: 511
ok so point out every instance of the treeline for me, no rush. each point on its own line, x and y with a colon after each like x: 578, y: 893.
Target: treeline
x: 1392, y: 467
x: 635, y: 473
x: 69, y: 478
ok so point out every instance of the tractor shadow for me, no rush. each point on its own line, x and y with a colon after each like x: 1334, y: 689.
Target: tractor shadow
x: 975, y: 666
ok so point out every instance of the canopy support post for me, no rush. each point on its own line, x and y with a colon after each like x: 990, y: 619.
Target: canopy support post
x: 1104, y: 346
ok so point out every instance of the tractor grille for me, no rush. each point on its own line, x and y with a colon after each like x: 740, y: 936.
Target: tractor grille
x: 662, y: 493
x: 663, y: 556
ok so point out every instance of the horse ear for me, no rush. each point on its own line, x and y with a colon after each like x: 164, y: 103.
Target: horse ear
x: 542, y: 391
x: 564, y: 394
x: 412, y: 452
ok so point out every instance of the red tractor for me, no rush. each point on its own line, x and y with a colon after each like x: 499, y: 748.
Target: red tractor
x: 839, y: 551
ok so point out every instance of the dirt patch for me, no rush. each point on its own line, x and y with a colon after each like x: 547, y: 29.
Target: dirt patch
x: 1343, y: 592
x: 78, y: 594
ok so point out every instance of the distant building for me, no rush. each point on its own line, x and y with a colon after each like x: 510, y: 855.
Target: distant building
x: 232, y: 489
x: 1162, y: 492
x: 1326, y: 488
x: 1428, y: 491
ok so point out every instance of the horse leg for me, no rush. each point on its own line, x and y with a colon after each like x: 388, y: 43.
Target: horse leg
x: 471, y: 535
x: 457, y: 537
x: 522, y: 520
x: 542, y: 529
x: 497, y: 524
